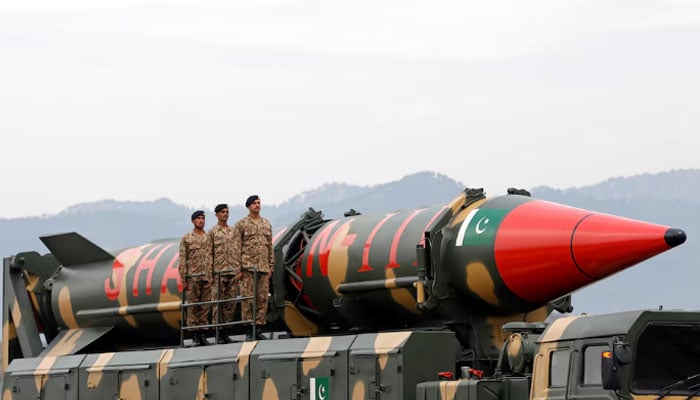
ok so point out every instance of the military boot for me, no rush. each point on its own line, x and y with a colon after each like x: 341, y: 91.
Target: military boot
x: 197, y: 339
x: 228, y: 333
x: 258, y: 334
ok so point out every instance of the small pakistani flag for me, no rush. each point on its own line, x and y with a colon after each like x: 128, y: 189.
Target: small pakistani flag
x: 320, y: 388
x: 480, y: 226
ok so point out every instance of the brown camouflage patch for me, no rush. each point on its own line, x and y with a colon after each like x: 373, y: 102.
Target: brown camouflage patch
x: 163, y: 363
x: 480, y: 282
x: 461, y: 215
x: 338, y: 258
x: 65, y: 309
x: 386, y: 342
x: 297, y: 323
x: 244, y: 357
x: 401, y: 296
x: 359, y: 391
x: 270, y: 390
x: 95, y: 371
x: 448, y: 390
x: 313, y: 353
x: 130, y: 389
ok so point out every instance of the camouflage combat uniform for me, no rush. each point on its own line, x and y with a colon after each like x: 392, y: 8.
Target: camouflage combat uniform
x: 253, y: 248
x: 221, y: 239
x: 195, y: 269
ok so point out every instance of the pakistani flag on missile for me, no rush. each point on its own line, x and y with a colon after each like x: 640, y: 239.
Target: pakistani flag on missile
x: 320, y: 388
x: 480, y: 227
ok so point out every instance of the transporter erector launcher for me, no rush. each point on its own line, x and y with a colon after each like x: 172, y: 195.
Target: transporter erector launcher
x: 468, y: 266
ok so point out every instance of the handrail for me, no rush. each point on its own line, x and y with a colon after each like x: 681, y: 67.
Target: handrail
x: 185, y: 306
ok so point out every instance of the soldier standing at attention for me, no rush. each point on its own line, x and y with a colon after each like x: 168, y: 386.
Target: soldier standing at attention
x: 253, y: 248
x: 225, y: 286
x: 195, y: 274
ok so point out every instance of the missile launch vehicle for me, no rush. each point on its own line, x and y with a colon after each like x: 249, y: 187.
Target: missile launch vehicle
x: 406, y: 304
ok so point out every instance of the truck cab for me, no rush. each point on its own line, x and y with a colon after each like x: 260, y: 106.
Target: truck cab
x: 640, y: 355
x: 635, y: 354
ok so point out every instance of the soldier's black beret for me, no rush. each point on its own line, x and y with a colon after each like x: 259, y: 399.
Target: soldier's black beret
x: 197, y: 214
x: 251, y: 199
x: 220, y: 207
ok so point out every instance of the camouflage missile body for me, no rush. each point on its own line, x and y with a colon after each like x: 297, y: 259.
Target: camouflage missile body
x: 364, y: 263
x: 137, y: 288
x: 479, y: 260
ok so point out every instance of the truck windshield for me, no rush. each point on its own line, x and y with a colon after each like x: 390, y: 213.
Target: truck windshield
x: 667, y: 360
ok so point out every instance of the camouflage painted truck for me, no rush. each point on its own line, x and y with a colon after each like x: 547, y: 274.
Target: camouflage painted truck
x: 627, y: 355
x: 395, y: 305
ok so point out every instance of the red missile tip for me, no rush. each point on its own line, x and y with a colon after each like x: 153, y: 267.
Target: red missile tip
x: 603, y: 244
x: 545, y: 250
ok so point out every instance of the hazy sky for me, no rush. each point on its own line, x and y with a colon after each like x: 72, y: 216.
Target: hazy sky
x: 208, y: 101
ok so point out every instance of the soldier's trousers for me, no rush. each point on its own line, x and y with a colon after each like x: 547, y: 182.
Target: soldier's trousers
x: 247, y: 287
x: 227, y: 288
x: 198, y: 291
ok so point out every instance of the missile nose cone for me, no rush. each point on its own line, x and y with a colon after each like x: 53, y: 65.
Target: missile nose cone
x: 545, y: 250
x: 603, y: 244
x: 674, y: 237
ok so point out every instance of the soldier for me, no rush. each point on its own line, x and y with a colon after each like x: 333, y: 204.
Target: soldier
x: 225, y: 287
x: 253, y: 249
x: 195, y: 273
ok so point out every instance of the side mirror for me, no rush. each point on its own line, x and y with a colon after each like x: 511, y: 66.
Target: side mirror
x: 622, y: 353
x: 612, y: 365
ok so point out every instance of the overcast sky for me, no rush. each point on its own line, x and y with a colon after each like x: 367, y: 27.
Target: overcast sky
x: 208, y: 101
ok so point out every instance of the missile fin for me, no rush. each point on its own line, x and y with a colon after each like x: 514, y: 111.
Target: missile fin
x: 72, y: 249
x: 71, y: 341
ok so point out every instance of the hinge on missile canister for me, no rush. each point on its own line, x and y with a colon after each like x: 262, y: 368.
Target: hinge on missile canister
x: 472, y: 195
x: 375, y: 389
x: 296, y: 392
x: 521, y: 192
x: 351, y: 213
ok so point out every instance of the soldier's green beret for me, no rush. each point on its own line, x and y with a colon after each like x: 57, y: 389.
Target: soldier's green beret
x: 220, y: 207
x: 251, y: 199
x: 197, y: 214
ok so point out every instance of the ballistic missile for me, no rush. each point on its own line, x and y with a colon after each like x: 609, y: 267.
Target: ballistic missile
x: 468, y: 265
x: 476, y: 256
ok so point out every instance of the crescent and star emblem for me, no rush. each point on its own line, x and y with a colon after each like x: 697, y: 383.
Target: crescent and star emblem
x: 322, y: 392
x: 479, y: 228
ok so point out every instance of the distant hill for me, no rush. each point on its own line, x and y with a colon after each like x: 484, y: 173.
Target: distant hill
x: 119, y: 224
x: 670, y: 198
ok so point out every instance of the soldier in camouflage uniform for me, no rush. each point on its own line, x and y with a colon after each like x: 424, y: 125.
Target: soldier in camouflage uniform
x: 195, y: 274
x: 226, y: 285
x: 253, y: 248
